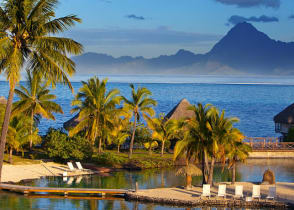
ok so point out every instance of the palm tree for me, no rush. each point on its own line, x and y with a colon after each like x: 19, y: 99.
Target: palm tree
x: 35, y: 101
x: 96, y: 108
x: 20, y: 133
x: 237, y: 151
x: 162, y: 130
x: 118, y: 134
x: 222, y: 132
x: 139, y: 103
x: 27, y: 38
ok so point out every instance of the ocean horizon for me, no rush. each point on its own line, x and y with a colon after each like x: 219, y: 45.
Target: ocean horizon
x: 255, y: 100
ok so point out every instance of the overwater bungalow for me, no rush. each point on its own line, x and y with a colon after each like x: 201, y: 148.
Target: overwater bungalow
x: 284, y: 120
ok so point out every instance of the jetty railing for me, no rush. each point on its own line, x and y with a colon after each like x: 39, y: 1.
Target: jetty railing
x: 269, y: 144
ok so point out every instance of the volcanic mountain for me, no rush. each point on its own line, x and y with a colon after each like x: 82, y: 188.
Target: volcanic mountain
x: 243, y: 50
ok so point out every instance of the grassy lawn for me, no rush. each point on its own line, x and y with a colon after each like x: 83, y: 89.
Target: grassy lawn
x: 18, y: 160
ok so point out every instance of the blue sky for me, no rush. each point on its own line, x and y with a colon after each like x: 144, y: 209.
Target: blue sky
x: 154, y: 27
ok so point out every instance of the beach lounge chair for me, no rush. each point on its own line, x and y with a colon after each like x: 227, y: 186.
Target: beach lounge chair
x: 221, y: 190
x: 239, y: 191
x: 256, y: 191
x: 70, y: 166
x: 205, y: 191
x: 80, y: 167
x: 271, y: 193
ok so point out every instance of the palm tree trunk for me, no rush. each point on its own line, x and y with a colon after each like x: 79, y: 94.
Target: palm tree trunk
x: 210, y: 179
x: 31, y: 131
x: 100, y: 145
x: 118, y: 148
x: 150, y: 148
x: 234, y: 174
x: 5, y: 125
x: 204, y: 174
x: 133, y: 137
x: 10, y: 155
x: 162, y: 148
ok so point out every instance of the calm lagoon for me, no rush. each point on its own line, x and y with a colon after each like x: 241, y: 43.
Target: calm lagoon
x: 252, y: 170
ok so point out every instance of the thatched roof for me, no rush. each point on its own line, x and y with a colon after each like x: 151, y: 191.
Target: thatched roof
x: 286, y: 116
x: 72, y: 122
x: 3, y: 100
x: 180, y: 111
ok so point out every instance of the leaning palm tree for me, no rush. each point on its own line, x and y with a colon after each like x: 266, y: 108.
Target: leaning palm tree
x: 27, y: 38
x: 162, y: 130
x: 96, y: 108
x: 35, y: 101
x: 139, y: 103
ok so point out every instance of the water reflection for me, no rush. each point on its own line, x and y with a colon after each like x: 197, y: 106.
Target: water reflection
x: 252, y: 170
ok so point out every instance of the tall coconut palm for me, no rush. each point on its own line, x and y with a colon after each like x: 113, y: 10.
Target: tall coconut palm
x: 96, y: 107
x: 27, y: 38
x: 162, y: 130
x: 139, y: 103
x: 35, y: 100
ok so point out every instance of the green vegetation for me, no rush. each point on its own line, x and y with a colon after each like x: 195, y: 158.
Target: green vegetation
x: 139, y: 103
x: 96, y: 109
x: 35, y: 102
x: 28, y: 39
x: 209, y: 137
x: 60, y: 147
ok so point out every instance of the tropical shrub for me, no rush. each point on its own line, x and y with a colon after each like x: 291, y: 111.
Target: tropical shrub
x: 61, y: 147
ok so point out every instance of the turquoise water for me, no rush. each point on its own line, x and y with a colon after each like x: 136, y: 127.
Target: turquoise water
x: 254, y: 100
x: 252, y: 170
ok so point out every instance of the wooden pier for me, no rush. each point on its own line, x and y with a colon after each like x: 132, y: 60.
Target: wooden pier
x: 65, y: 191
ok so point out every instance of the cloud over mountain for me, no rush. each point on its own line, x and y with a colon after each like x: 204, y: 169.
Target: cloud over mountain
x: 135, y: 17
x: 235, y: 19
x: 252, y: 3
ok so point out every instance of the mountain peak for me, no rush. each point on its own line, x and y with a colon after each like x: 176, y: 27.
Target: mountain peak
x: 183, y: 52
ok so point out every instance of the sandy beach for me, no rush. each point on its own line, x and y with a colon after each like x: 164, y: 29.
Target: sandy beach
x: 16, y: 173
x: 285, y: 193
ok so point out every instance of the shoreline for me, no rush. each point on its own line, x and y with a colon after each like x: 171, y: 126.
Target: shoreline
x: 178, y: 196
x: 28, y: 172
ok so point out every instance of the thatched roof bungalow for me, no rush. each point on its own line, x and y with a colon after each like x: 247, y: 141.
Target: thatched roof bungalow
x: 180, y: 111
x: 71, y: 122
x: 284, y: 120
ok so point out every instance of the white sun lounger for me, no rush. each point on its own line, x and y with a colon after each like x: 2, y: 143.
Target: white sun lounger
x: 271, y: 193
x: 239, y: 191
x: 80, y: 167
x: 70, y: 166
x: 256, y: 191
x: 206, y: 191
x: 221, y: 190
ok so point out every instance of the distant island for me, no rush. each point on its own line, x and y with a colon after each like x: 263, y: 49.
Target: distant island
x: 243, y: 50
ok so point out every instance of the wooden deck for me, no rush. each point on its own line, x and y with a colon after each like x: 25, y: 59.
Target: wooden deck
x: 65, y: 191
x: 269, y: 144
